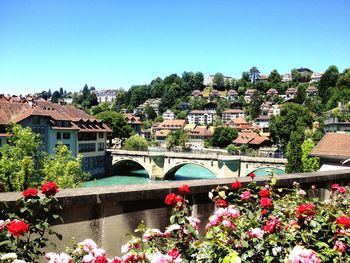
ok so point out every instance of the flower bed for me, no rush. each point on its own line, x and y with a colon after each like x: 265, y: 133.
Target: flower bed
x: 250, y: 224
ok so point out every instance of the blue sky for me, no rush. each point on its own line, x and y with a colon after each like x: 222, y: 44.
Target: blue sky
x: 47, y: 44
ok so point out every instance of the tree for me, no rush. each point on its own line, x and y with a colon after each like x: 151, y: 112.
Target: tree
x: 55, y: 96
x: 292, y: 116
x: 218, y: 81
x: 63, y: 169
x: 103, y: 106
x: 61, y: 91
x: 224, y: 136
x: 136, y: 142
x: 197, y: 103
x: 18, y: 159
x: 294, y: 153
x: 182, y: 115
x: 254, y: 74
x: 150, y: 112
x: 310, y: 164
x: 245, y: 76
x: 296, y: 76
x: 275, y: 77
x: 301, y: 95
x: 344, y: 81
x: 255, y: 105
x: 116, y: 121
x: 329, y: 79
x: 176, y: 139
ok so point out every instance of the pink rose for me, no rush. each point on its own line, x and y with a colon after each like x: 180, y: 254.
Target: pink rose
x: 245, y: 195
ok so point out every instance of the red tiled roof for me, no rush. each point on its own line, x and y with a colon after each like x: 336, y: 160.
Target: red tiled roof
x: 333, y: 145
x: 250, y: 138
x: 162, y: 133
x: 202, y: 131
x: 130, y: 118
x: 233, y: 111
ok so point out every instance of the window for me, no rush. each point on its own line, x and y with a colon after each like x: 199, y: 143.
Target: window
x: 101, y: 146
x: 87, y: 136
x: 58, y: 136
x: 87, y: 147
x: 100, y: 135
x: 66, y: 135
x: 36, y: 120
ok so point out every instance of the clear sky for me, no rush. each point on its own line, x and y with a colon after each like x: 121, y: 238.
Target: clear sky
x: 110, y: 44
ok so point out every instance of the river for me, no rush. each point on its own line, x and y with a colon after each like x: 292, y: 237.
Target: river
x: 140, y: 176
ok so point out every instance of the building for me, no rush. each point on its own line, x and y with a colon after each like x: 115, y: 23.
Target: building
x: 153, y: 103
x: 334, y: 125
x: 168, y: 115
x: 232, y: 114
x: 249, y: 94
x: 184, y: 106
x: 171, y: 125
x: 161, y: 135
x: 232, y: 95
x: 82, y: 133
x: 240, y: 124
x: 291, y: 93
x: 286, y: 77
x: 214, y: 94
x: 316, y: 76
x: 252, y: 139
x: 134, y: 121
x: 263, y: 78
x: 272, y: 92
x: 105, y: 95
x: 263, y: 122
x: 196, y: 93
x: 202, y: 117
x: 208, y: 81
x: 311, y: 91
x: 333, y: 151
x: 198, y: 135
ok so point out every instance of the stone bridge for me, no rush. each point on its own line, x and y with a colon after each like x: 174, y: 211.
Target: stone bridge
x: 163, y: 165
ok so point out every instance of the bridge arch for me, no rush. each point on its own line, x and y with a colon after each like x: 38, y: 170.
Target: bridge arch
x: 120, y: 162
x: 265, y: 170
x: 169, y: 173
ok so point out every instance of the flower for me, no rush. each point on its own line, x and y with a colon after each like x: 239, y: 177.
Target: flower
x: 87, y: 245
x: 300, y: 254
x: 58, y: 258
x: 340, y: 246
x: 174, y: 253
x: 252, y: 175
x: 301, y: 192
x: 255, y: 233
x: 184, y: 189
x: 170, y: 199
x: 305, y: 210
x: 236, y: 185
x: 272, y: 225
x: 344, y: 221
x: 221, y: 203
x: 3, y: 224
x: 264, y: 212
x: 194, y: 222
x: 313, y: 187
x: 30, y: 192
x: 264, y: 192
x: 17, y: 227
x: 334, y: 186
x: 341, y: 190
x: 265, y: 202
x: 49, y: 189
x: 245, y: 195
x: 149, y: 234
x: 9, y: 256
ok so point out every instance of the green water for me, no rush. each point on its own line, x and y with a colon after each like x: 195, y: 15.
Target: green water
x: 265, y: 171
x: 186, y: 172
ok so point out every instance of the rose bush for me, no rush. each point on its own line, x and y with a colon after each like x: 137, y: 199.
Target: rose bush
x: 24, y: 231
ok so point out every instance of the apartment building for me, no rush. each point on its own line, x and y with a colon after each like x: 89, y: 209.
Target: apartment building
x: 202, y: 117
x: 232, y: 114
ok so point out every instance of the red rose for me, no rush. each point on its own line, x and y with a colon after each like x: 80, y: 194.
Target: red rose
x: 236, y: 185
x: 170, y: 199
x: 221, y: 203
x: 305, y: 210
x: 341, y: 190
x: 184, y: 189
x: 264, y: 192
x: 49, y: 189
x: 265, y: 202
x: 344, y: 221
x: 17, y: 227
x: 174, y: 253
x: 178, y: 199
x: 252, y: 175
x: 100, y: 259
x: 30, y: 192
x: 272, y: 225
x: 334, y: 186
x: 264, y: 212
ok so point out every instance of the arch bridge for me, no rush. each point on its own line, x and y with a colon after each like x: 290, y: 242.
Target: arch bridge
x: 163, y: 165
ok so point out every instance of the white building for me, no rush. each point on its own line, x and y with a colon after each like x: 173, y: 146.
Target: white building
x: 202, y: 117
x: 209, y: 80
x: 168, y: 115
x: 232, y: 114
x: 105, y: 95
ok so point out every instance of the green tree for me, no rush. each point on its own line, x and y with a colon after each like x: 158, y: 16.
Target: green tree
x: 176, y: 139
x: 329, y: 79
x: 104, y: 106
x: 224, y: 136
x: 182, y: 115
x: 254, y: 108
x: 296, y: 76
x: 55, y: 96
x: 294, y: 153
x: 116, y: 121
x: 136, y: 142
x: 344, y: 80
x: 150, y: 112
x: 292, y: 116
x: 218, y: 81
x: 254, y: 74
x: 301, y: 94
x: 64, y: 169
x: 275, y: 77
x: 19, y: 158
x: 310, y: 164
x: 245, y: 76
x: 197, y: 103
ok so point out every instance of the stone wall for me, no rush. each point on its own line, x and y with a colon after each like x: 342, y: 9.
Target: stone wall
x: 107, y: 214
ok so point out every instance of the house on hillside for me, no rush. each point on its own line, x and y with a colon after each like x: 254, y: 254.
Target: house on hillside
x: 82, y: 133
x: 161, y: 135
x: 232, y: 114
x: 168, y: 115
x: 134, y: 121
x: 291, y: 93
x: 196, y: 93
x: 311, y: 91
x: 201, y: 117
x: 272, y: 92
x: 263, y: 122
x: 198, y: 135
x: 252, y: 140
x: 171, y: 125
x: 232, y: 95
x: 333, y: 151
x: 249, y: 94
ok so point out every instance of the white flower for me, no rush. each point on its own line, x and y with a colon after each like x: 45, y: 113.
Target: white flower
x: 87, y: 245
x: 172, y: 228
x: 301, y: 192
x: 9, y: 256
x: 276, y: 250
